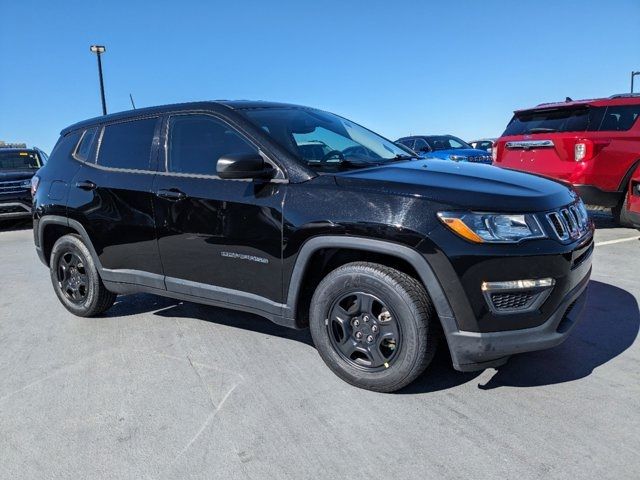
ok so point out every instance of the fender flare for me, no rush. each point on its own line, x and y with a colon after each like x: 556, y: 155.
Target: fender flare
x: 411, y: 256
x: 66, y: 222
x: 624, y: 184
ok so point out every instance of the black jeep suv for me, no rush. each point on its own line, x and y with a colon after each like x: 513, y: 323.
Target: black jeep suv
x: 381, y: 254
x: 17, y: 167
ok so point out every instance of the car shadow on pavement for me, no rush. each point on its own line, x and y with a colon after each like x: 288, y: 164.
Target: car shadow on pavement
x: 134, y: 304
x: 11, y: 225
x: 609, y: 325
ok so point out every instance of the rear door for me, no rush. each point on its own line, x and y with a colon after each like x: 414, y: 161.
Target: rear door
x: 112, y: 198
x: 218, y: 239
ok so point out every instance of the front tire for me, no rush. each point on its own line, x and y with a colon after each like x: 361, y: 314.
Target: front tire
x: 373, y: 325
x: 76, y: 280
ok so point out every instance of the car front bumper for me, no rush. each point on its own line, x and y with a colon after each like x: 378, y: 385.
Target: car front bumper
x: 478, y: 350
x: 15, y: 206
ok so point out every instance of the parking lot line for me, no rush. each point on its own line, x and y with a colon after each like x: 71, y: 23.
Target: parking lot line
x: 619, y: 240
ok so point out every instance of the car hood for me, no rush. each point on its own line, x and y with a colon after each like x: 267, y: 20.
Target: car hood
x: 467, y: 185
x: 8, y: 175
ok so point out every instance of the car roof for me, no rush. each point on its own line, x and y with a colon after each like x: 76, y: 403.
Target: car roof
x: 15, y: 149
x: 614, y: 100
x: 215, y: 105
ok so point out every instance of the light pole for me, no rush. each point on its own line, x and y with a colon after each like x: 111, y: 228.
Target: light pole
x: 99, y: 50
x: 633, y: 74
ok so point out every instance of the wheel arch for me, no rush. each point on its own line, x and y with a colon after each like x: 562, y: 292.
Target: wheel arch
x: 52, y: 227
x: 624, y: 184
x: 404, y: 257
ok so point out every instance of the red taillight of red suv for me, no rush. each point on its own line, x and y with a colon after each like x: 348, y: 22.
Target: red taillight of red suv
x: 583, y: 150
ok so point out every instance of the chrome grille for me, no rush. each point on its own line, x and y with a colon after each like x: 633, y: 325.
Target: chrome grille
x: 569, y: 223
x: 13, y: 186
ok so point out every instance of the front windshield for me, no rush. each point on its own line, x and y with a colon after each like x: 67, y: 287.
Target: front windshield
x: 19, y: 160
x: 446, y: 142
x: 325, y: 142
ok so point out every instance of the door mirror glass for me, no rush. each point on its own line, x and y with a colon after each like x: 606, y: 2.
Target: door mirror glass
x: 243, y: 166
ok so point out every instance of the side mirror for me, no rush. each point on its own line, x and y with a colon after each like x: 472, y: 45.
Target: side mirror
x: 243, y: 166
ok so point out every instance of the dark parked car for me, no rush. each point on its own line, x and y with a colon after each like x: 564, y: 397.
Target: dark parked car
x: 485, y: 144
x: 445, y: 147
x: 380, y: 253
x: 17, y: 167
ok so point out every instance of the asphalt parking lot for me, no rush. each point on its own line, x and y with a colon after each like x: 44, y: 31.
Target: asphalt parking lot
x: 166, y: 389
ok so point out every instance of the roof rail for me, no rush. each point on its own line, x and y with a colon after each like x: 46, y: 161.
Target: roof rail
x: 625, y: 95
x: 12, y: 145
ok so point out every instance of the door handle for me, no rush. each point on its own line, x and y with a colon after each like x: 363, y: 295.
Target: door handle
x: 171, y: 194
x: 86, y: 185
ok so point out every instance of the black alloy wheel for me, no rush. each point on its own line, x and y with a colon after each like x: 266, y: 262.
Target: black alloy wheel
x: 73, y: 280
x: 365, y: 332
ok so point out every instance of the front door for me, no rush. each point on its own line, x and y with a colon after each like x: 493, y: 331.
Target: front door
x: 218, y: 239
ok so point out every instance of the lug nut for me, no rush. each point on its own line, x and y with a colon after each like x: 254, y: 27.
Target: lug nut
x: 356, y: 322
x: 358, y: 335
x: 374, y: 329
x: 366, y: 318
x: 370, y: 338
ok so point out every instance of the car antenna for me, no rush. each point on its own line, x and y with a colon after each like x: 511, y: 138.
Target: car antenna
x: 132, y: 104
x: 567, y: 99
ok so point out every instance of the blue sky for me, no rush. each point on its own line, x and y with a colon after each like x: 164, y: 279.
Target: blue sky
x: 398, y: 67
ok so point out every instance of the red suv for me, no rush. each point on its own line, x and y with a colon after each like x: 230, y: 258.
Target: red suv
x: 593, y: 145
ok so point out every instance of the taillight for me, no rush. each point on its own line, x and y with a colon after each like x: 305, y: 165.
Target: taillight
x: 494, y: 152
x: 583, y: 150
x: 35, y: 181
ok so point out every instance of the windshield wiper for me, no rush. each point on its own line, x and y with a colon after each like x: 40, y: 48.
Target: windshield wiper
x: 400, y: 157
x: 543, y: 130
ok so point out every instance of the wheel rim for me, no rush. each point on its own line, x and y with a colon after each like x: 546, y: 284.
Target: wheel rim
x: 364, y: 331
x: 73, y: 280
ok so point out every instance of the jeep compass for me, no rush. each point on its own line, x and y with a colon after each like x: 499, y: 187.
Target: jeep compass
x: 310, y: 220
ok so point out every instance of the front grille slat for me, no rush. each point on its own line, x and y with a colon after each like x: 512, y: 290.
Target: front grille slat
x: 570, y: 222
x: 13, y: 186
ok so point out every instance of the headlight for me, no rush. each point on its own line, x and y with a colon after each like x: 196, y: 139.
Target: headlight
x: 493, y: 227
x: 26, y: 184
x: 457, y: 158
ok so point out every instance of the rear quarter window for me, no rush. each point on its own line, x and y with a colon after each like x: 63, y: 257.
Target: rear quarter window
x: 127, y: 145
x: 65, y: 146
x: 620, y: 118
x: 86, y: 143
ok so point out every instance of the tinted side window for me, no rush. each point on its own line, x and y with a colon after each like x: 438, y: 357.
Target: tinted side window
x: 196, y: 142
x: 421, y: 146
x: 620, y: 118
x: 127, y: 145
x: 408, y: 143
x: 84, y: 148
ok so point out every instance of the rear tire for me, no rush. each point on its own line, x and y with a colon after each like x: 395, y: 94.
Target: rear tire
x: 621, y: 214
x: 76, y: 280
x: 374, y: 326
